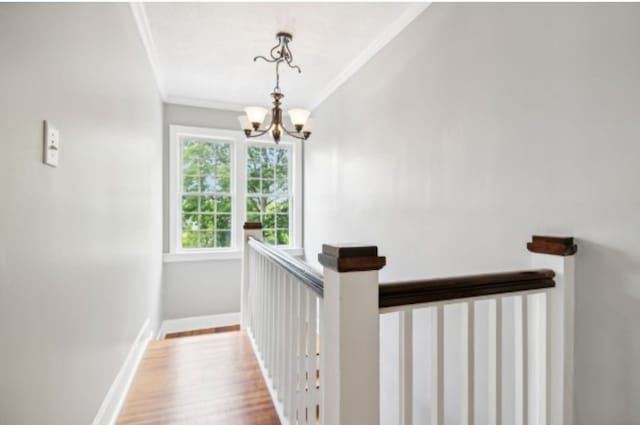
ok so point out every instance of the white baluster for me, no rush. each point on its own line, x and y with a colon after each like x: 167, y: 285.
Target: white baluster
x: 471, y: 362
x: 301, y: 366
x: 319, y: 359
x: 525, y: 358
x: 293, y: 365
x: 311, y: 358
x: 498, y: 383
x: 437, y: 412
x: 406, y: 366
x: 277, y: 343
x: 282, y: 332
x: 250, y: 230
x: 269, y: 340
x: 288, y: 345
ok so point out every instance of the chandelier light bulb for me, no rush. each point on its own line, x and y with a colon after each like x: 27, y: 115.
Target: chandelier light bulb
x: 256, y: 115
x: 245, y: 124
x: 298, y: 118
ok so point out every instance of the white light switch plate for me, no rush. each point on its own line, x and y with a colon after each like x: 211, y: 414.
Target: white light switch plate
x: 51, y: 145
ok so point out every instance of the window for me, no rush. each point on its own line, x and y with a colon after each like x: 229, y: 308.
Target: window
x: 268, y: 198
x: 206, y: 193
x: 218, y: 180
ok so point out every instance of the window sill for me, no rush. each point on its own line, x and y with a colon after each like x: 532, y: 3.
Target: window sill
x: 180, y: 257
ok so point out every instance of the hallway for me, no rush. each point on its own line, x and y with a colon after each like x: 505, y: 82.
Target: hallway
x: 209, y: 379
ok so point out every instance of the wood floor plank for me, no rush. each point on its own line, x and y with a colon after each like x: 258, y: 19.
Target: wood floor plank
x: 201, y: 380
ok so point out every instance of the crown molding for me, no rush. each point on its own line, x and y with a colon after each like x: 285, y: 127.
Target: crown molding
x: 382, y: 40
x: 204, y: 103
x: 389, y: 33
x: 142, y: 22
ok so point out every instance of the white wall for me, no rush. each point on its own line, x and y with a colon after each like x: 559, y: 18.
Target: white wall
x: 197, y: 288
x: 480, y: 125
x: 80, y: 245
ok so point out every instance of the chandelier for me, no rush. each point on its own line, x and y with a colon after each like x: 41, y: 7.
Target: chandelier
x: 255, y: 115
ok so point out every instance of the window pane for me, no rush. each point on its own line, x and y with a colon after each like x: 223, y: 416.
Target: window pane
x: 253, y: 185
x: 190, y: 204
x: 206, y: 166
x: 282, y: 221
x: 223, y: 239
x: 255, y: 204
x: 282, y: 205
x: 190, y: 222
x: 207, y: 239
x: 269, y: 236
x: 207, y: 222
x: 207, y: 204
x: 223, y: 222
x: 269, y: 221
x: 223, y: 204
x: 268, y: 186
x: 282, y: 237
x: 191, y: 184
x: 190, y: 239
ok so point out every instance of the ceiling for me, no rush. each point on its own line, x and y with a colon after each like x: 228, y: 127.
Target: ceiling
x: 202, y: 53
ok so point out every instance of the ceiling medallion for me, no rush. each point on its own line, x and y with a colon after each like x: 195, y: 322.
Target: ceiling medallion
x: 255, y: 115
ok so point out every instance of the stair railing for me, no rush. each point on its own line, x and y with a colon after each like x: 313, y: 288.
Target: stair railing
x: 318, y: 337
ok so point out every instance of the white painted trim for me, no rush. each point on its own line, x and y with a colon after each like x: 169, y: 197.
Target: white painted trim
x: 204, y: 103
x: 412, y: 12
x: 113, y: 401
x: 181, y: 257
x: 197, y: 322
x: 142, y: 22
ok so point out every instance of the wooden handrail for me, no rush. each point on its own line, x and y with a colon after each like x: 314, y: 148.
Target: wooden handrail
x: 299, y: 269
x: 450, y: 288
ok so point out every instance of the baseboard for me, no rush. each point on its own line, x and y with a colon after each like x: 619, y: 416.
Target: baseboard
x: 112, y: 404
x: 197, y: 322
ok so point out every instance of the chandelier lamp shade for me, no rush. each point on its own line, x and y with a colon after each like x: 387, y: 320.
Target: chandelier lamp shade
x: 252, y: 122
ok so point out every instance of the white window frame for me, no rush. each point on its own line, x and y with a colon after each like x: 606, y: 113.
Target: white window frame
x: 239, y: 147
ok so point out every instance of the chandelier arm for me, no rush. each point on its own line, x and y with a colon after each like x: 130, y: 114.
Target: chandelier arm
x: 275, y: 57
x: 259, y: 132
x: 292, y: 134
x: 290, y: 59
x: 265, y: 59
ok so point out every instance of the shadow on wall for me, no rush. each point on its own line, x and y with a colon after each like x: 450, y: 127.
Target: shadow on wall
x: 607, y: 295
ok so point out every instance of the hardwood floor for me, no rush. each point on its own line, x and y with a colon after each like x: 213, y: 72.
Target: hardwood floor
x: 200, y: 380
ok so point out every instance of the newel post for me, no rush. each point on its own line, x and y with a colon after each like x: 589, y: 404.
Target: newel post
x: 350, y: 335
x: 251, y: 229
x: 557, y: 253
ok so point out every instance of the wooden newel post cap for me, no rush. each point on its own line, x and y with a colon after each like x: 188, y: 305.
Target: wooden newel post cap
x: 252, y: 225
x: 351, y: 258
x: 552, y: 245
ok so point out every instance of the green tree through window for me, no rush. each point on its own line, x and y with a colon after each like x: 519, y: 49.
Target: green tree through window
x: 268, y: 195
x: 206, y: 194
